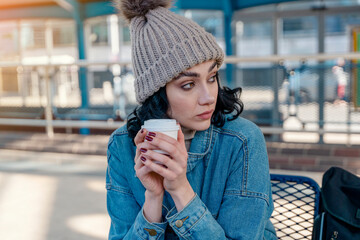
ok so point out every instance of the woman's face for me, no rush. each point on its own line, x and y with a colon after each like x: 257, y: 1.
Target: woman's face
x: 192, y: 96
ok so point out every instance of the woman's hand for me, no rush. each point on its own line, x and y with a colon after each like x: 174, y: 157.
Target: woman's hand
x: 152, y: 181
x: 172, y: 167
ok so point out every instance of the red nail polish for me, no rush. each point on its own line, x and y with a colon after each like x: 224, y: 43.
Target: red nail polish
x: 143, y: 150
x: 142, y: 131
x: 143, y: 158
x: 152, y: 134
x: 149, y: 138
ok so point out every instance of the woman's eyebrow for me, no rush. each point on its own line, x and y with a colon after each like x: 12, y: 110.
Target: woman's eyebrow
x: 193, y: 74
x: 187, y: 74
x: 212, y: 66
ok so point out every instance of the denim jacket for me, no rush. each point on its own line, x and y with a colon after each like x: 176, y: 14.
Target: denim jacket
x: 228, y: 170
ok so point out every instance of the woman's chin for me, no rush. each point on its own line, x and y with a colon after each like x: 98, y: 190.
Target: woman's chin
x: 200, y: 126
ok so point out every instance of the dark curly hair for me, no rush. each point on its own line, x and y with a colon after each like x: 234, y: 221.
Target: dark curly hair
x: 156, y: 106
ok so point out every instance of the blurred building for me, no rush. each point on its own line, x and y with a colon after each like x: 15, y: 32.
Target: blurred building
x: 295, y: 27
x: 61, y: 32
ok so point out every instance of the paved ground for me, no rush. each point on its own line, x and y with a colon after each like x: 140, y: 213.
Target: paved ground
x: 53, y: 196
x: 50, y: 196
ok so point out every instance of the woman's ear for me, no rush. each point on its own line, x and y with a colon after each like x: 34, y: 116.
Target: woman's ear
x: 168, y: 112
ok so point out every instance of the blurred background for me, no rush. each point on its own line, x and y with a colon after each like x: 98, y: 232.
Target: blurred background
x: 66, y: 83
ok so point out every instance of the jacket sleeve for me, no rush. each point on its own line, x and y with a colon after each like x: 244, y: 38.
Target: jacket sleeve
x: 127, y: 219
x: 246, y: 205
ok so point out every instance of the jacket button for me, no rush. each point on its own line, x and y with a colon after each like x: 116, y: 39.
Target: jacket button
x: 152, y: 232
x: 179, y: 223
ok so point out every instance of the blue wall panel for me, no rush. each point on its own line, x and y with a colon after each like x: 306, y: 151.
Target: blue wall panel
x: 218, y: 4
x: 95, y: 9
x: 240, y: 4
x: 200, y: 4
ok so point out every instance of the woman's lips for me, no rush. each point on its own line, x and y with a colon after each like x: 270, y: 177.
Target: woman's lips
x: 205, y: 115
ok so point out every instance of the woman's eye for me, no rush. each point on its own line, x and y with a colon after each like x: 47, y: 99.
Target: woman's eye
x: 212, y: 79
x: 187, y: 86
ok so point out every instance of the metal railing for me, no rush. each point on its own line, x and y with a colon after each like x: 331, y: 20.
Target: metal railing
x: 273, y: 94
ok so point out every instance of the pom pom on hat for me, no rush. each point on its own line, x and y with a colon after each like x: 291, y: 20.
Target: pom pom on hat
x: 137, y: 8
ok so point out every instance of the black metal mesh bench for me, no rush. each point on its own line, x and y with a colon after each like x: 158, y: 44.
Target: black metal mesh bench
x: 296, y: 202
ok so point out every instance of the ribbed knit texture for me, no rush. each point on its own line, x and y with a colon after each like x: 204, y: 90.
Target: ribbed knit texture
x: 165, y: 44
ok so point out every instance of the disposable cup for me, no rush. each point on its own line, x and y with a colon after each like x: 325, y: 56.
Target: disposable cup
x: 165, y: 126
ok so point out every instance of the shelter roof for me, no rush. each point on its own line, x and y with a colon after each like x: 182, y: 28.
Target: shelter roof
x: 15, y: 9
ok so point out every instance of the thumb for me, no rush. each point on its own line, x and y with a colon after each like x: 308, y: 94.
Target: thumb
x: 140, y: 136
x: 180, y: 137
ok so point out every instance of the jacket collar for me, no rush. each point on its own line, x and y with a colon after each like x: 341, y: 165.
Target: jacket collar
x: 200, y: 146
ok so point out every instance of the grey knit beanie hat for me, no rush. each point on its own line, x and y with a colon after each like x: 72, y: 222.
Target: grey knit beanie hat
x: 164, y: 44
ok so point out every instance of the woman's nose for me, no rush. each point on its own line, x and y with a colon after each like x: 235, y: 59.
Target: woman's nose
x: 206, y: 98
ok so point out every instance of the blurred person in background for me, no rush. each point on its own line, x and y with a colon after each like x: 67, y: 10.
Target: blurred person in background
x: 341, y: 79
x: 215, y: 181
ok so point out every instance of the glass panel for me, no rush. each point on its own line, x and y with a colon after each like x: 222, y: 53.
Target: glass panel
x: 125, y: 41
x: 32, y: 35
x: 313, y: 5
x: 254, y: 38
x: 212, y: 21
x: 298, y: 35
x: 64, y: 33
x: 99, y: 33
x: 337, y: 32
x: 126, y: 35
x: 9, y: 38
x: 341, y: 3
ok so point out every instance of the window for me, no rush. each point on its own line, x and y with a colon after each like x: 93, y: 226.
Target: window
x: 99, y: 33
x: 64, y: 34
x: 9, y: 38
x: 337, y: 31
x: 125, y: 35
x: 212, y: 21
x: 32, y: 35
x: 298, y: 35
x: 254, y: 38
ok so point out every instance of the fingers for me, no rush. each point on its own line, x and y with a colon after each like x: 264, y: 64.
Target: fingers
x: 160, y: 158
x: 162, y: 136
x: 160, y: 169
x: 168, y: 166
x: 140, y: 136
x: 168, y: 144
x: 142, y: 171
x: 141, y: 147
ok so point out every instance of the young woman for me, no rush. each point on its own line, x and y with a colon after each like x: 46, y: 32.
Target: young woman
x: 215, y: 183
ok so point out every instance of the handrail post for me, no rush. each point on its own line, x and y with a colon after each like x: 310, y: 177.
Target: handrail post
x: 228, y: 14
x: 275, y: 114
x: 321, y: 90
x: 48, y: 110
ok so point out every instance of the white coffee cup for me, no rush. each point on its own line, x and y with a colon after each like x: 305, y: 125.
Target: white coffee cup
x: 165, y: 126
